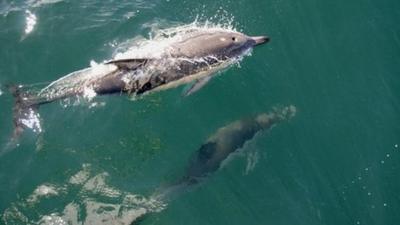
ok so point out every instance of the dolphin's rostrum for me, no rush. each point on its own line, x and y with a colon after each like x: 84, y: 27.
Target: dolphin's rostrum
x: 212, y: 154
x: 192, y: 58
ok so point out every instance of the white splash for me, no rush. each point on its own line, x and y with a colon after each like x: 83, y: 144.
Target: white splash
x: 160, y: 39
x: 31, y: 21
x: 38, y: 3
x: 1, y: 92
x: 132, y: 14
x: 89, y: 93
x: 44, y: 190
x: 32, y: 121
x: 96, y: 104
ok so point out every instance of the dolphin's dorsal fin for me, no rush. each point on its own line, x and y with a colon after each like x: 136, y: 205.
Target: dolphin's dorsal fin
x: 129, y: 64
x: 197, y: 86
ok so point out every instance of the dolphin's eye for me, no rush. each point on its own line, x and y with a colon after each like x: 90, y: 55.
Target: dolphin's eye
x: 233, y: 39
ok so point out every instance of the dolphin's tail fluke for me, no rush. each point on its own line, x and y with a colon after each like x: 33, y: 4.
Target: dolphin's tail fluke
x: 169, y: 193
x: 25, y: 112
x: 164, y: 195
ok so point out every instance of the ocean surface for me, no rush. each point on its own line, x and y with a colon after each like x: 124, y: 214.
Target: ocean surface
x: 337, y: 161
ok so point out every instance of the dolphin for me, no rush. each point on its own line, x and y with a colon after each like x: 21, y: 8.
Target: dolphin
x: 216, y: 151
x: 192, y: 58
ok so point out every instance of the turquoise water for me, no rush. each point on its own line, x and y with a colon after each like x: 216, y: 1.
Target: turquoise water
x: 336, y: 162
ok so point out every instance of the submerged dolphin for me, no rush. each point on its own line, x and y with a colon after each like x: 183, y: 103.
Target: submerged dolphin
x: 193, y: 57
x: 211, y: 155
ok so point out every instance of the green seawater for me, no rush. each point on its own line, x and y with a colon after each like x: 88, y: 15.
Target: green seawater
x: 336, y: 162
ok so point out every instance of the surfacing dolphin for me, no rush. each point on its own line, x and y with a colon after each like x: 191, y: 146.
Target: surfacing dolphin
x: 192, y: 58
x: 214, y: 153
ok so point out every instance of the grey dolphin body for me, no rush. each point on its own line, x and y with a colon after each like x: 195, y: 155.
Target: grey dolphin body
x: 228, y: 140
x: 212, y: 154
x: 193, y: 58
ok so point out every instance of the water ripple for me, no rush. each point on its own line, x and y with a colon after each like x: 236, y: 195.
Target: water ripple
x: 112, y: 206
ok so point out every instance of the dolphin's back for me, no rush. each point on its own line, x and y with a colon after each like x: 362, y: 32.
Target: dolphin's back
x: 227, y: 140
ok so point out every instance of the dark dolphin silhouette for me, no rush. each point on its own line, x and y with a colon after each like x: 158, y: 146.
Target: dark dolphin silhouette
x: 212, y: 154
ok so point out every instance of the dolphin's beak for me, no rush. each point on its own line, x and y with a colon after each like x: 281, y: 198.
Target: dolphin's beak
x: 260, y: 40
